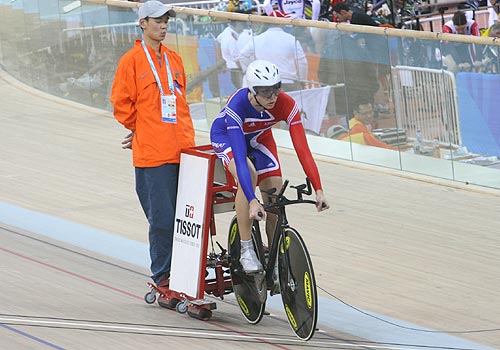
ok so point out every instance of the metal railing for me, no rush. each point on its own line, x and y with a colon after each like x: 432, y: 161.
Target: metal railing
x: 426, y: 99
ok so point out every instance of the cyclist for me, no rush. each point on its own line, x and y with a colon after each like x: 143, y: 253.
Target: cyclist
x: 242, y: 138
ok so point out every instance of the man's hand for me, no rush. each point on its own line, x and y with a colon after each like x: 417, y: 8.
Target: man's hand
x: 321, y: 203
x: 127, y: 141
x: 255, y: 209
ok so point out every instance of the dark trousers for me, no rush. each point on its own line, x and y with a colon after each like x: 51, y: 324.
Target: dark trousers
x: 157, y: 191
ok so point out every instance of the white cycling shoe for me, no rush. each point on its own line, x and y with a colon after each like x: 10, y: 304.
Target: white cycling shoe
x: 250, y: 262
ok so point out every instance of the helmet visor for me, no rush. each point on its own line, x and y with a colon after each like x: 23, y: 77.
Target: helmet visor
x: 268, y: 91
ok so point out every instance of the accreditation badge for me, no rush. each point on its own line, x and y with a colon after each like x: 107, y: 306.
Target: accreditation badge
x: 168, y: 109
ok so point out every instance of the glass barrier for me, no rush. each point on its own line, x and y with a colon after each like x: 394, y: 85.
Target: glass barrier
x: 409, y: 103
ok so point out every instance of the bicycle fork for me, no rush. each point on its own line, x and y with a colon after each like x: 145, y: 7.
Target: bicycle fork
x: 280, y: 244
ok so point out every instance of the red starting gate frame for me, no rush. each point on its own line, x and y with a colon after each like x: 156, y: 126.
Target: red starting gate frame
x: 200, y: 168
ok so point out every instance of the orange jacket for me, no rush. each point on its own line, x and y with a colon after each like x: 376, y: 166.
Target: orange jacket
x: 136, y: 100
x: 359, y: 133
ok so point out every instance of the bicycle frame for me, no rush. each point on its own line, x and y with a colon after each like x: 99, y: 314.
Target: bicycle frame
x: 277, y: 207
x: 295, y: 273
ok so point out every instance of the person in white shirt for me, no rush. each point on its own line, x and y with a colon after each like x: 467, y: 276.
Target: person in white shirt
x: 295, y: 8
x: 228, y: 40
x: 492, y: 14
x: 281, y: 48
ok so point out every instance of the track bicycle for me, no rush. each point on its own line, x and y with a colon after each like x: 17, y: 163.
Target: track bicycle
x: 295, y: 270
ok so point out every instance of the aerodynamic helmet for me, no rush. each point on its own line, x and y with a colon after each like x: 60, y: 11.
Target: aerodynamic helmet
x: 262, y: 73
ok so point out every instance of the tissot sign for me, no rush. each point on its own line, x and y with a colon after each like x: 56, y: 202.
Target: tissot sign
x: 189, y: 221
x: 187, y: 227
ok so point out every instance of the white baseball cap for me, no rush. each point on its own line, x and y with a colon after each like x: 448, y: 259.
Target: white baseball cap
x: 155, y: 9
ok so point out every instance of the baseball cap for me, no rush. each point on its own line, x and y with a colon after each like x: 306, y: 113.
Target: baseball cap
x: 155, y: 9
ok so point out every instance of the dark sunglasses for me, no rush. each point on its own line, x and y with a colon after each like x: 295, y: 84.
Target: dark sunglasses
x: 268, y: 91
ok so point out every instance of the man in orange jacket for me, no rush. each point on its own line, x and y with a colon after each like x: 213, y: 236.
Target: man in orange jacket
x: 360, y: 127
x: 149, y: 99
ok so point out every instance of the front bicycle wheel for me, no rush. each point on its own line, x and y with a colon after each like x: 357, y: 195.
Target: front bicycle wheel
x: 245, y: 286
x: 297, y: 284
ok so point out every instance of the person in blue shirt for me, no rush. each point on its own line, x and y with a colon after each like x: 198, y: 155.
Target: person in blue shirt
x: 242, y: 138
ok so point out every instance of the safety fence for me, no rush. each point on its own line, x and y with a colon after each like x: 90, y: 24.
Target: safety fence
x: 426, y: 99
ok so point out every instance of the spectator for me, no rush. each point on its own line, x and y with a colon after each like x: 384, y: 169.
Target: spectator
x: 228, y: 44
x: 373, y: 49
x: 361, y: 125
x: 492, y: 12
x: 493, y: 31
x: 278, y: 46
x: 489, y: 54
x: 460, y: 56
x: 296, y: 8
x: 149, y: 99
x: 342, y: 13
x: 244, y: 38
x: 241, y: 6
x: 461, y: 25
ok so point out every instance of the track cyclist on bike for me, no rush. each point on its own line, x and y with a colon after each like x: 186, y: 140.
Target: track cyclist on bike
x: 241, y: 136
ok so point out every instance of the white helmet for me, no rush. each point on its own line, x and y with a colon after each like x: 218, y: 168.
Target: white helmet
x: 335, y: 131
x: 262, y: 73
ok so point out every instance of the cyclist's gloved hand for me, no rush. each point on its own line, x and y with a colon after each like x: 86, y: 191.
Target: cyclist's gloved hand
x: 321, y: 203
x: 256, y: 210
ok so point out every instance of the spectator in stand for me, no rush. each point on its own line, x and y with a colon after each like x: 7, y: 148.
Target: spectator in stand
x: 492, y: 12
x: 360, y: 61
x: 304, y: 9
x: 283, y: 49
x: 228, y: 44
x: 460, y: 56
x: 342, y: 13
x: 459, y: 24
x: 244, y: 38
x: 296, y: 9
x: 489, y: 54
x: 493, y: 31
x: 377, y: 46
x: 361, y: 125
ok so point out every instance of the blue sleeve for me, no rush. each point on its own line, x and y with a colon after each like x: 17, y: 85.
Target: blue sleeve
x: 239, y: 148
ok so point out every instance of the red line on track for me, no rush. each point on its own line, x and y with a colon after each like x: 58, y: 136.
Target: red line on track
x: 107, y: 286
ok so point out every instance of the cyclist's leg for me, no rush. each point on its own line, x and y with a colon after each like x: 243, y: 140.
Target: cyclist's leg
x: 241, y: 202
x: 248, y: 258
x: 266, y: 184
x: 266, y: 161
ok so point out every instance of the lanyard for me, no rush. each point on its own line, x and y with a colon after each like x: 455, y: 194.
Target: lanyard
x: 155, y: 73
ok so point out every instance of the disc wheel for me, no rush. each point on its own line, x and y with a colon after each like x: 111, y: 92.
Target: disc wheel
x: 250, y: 301
x: 297, y: 284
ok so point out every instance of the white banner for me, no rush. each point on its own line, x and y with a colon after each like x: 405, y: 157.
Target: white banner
x: 312, y: 105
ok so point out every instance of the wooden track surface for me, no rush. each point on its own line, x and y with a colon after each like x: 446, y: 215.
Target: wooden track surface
x: 412, y: 248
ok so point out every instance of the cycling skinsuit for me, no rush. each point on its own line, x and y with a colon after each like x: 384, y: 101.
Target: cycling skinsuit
x: 240, y: 131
